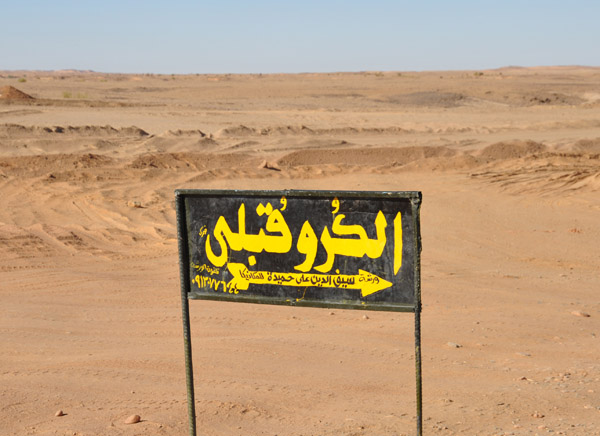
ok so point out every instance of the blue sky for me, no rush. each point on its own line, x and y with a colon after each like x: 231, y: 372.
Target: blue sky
x: 259, y: 36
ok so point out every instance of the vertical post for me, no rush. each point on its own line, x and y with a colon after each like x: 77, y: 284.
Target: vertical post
x: 185, y: 309
x: 416, y: 204
x: 418, y: 370
x: 189, y: 371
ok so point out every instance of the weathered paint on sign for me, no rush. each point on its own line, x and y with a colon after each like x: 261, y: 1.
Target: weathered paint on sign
x: 310, y: 248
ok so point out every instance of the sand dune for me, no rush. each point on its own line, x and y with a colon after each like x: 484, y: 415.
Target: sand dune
x: 509, y: 164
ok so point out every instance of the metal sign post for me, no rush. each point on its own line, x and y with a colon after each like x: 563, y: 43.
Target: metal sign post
x: 340, y: 249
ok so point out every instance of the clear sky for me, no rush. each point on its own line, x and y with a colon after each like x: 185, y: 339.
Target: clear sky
x: 270, y: 36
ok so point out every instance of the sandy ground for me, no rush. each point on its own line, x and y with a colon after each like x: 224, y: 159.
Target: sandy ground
x: 509, y: 165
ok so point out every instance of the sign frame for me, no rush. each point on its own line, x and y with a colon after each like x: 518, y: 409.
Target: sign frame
x: 414, y: 197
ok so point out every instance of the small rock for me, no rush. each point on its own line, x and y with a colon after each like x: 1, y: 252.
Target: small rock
x: 520, y: 353
x: 525, y: 379
x: 59, y: 413
x: 365, y: 317
x: 581, y: 314
x: 269, y: 166
x: 134, y: 204
x: 454, y: 345
x: 332, y: 313
x: 537, y: 415
x: 133, y: 419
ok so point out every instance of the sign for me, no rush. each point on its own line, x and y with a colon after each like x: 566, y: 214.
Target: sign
x: 349, y: 250
x: 354, y: 250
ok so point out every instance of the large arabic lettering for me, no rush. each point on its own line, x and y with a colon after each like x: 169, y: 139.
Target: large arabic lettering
x: 253, y: 243
x: 279, y: 239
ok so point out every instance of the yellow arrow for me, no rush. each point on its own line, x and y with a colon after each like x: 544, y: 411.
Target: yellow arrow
x: 365, y: 281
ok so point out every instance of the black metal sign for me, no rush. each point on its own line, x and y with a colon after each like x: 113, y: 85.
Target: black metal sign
x: 327, y: 249
x: 352, y: 250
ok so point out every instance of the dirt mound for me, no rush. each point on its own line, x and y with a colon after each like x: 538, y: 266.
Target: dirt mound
x: 188, y: 161
x: 511, y: 150
x: 97, y: 131
x: 179, y: 132
x: 588, y: 145
x: 54, y: 161
x: 393, y: 130
x: 545, y: 173
x: 362, y: 156
x: 13, y: 130
x: 184, y: 143
x: 12, y: 93
x: 167, y: 161
x: 554, y: 98
x: 240, y: 130
x: 428, y: 99
x: 287, y: 130
x: 302, y: 130
x: 131, y: 131
x: 242, y: 145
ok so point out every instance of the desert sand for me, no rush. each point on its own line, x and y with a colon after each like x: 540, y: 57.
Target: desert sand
x: 508, y: 161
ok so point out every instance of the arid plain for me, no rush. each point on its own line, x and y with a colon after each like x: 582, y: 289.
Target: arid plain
x: 508, y: 161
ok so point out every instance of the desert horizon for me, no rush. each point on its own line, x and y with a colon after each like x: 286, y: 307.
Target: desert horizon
x: 507, y: 159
